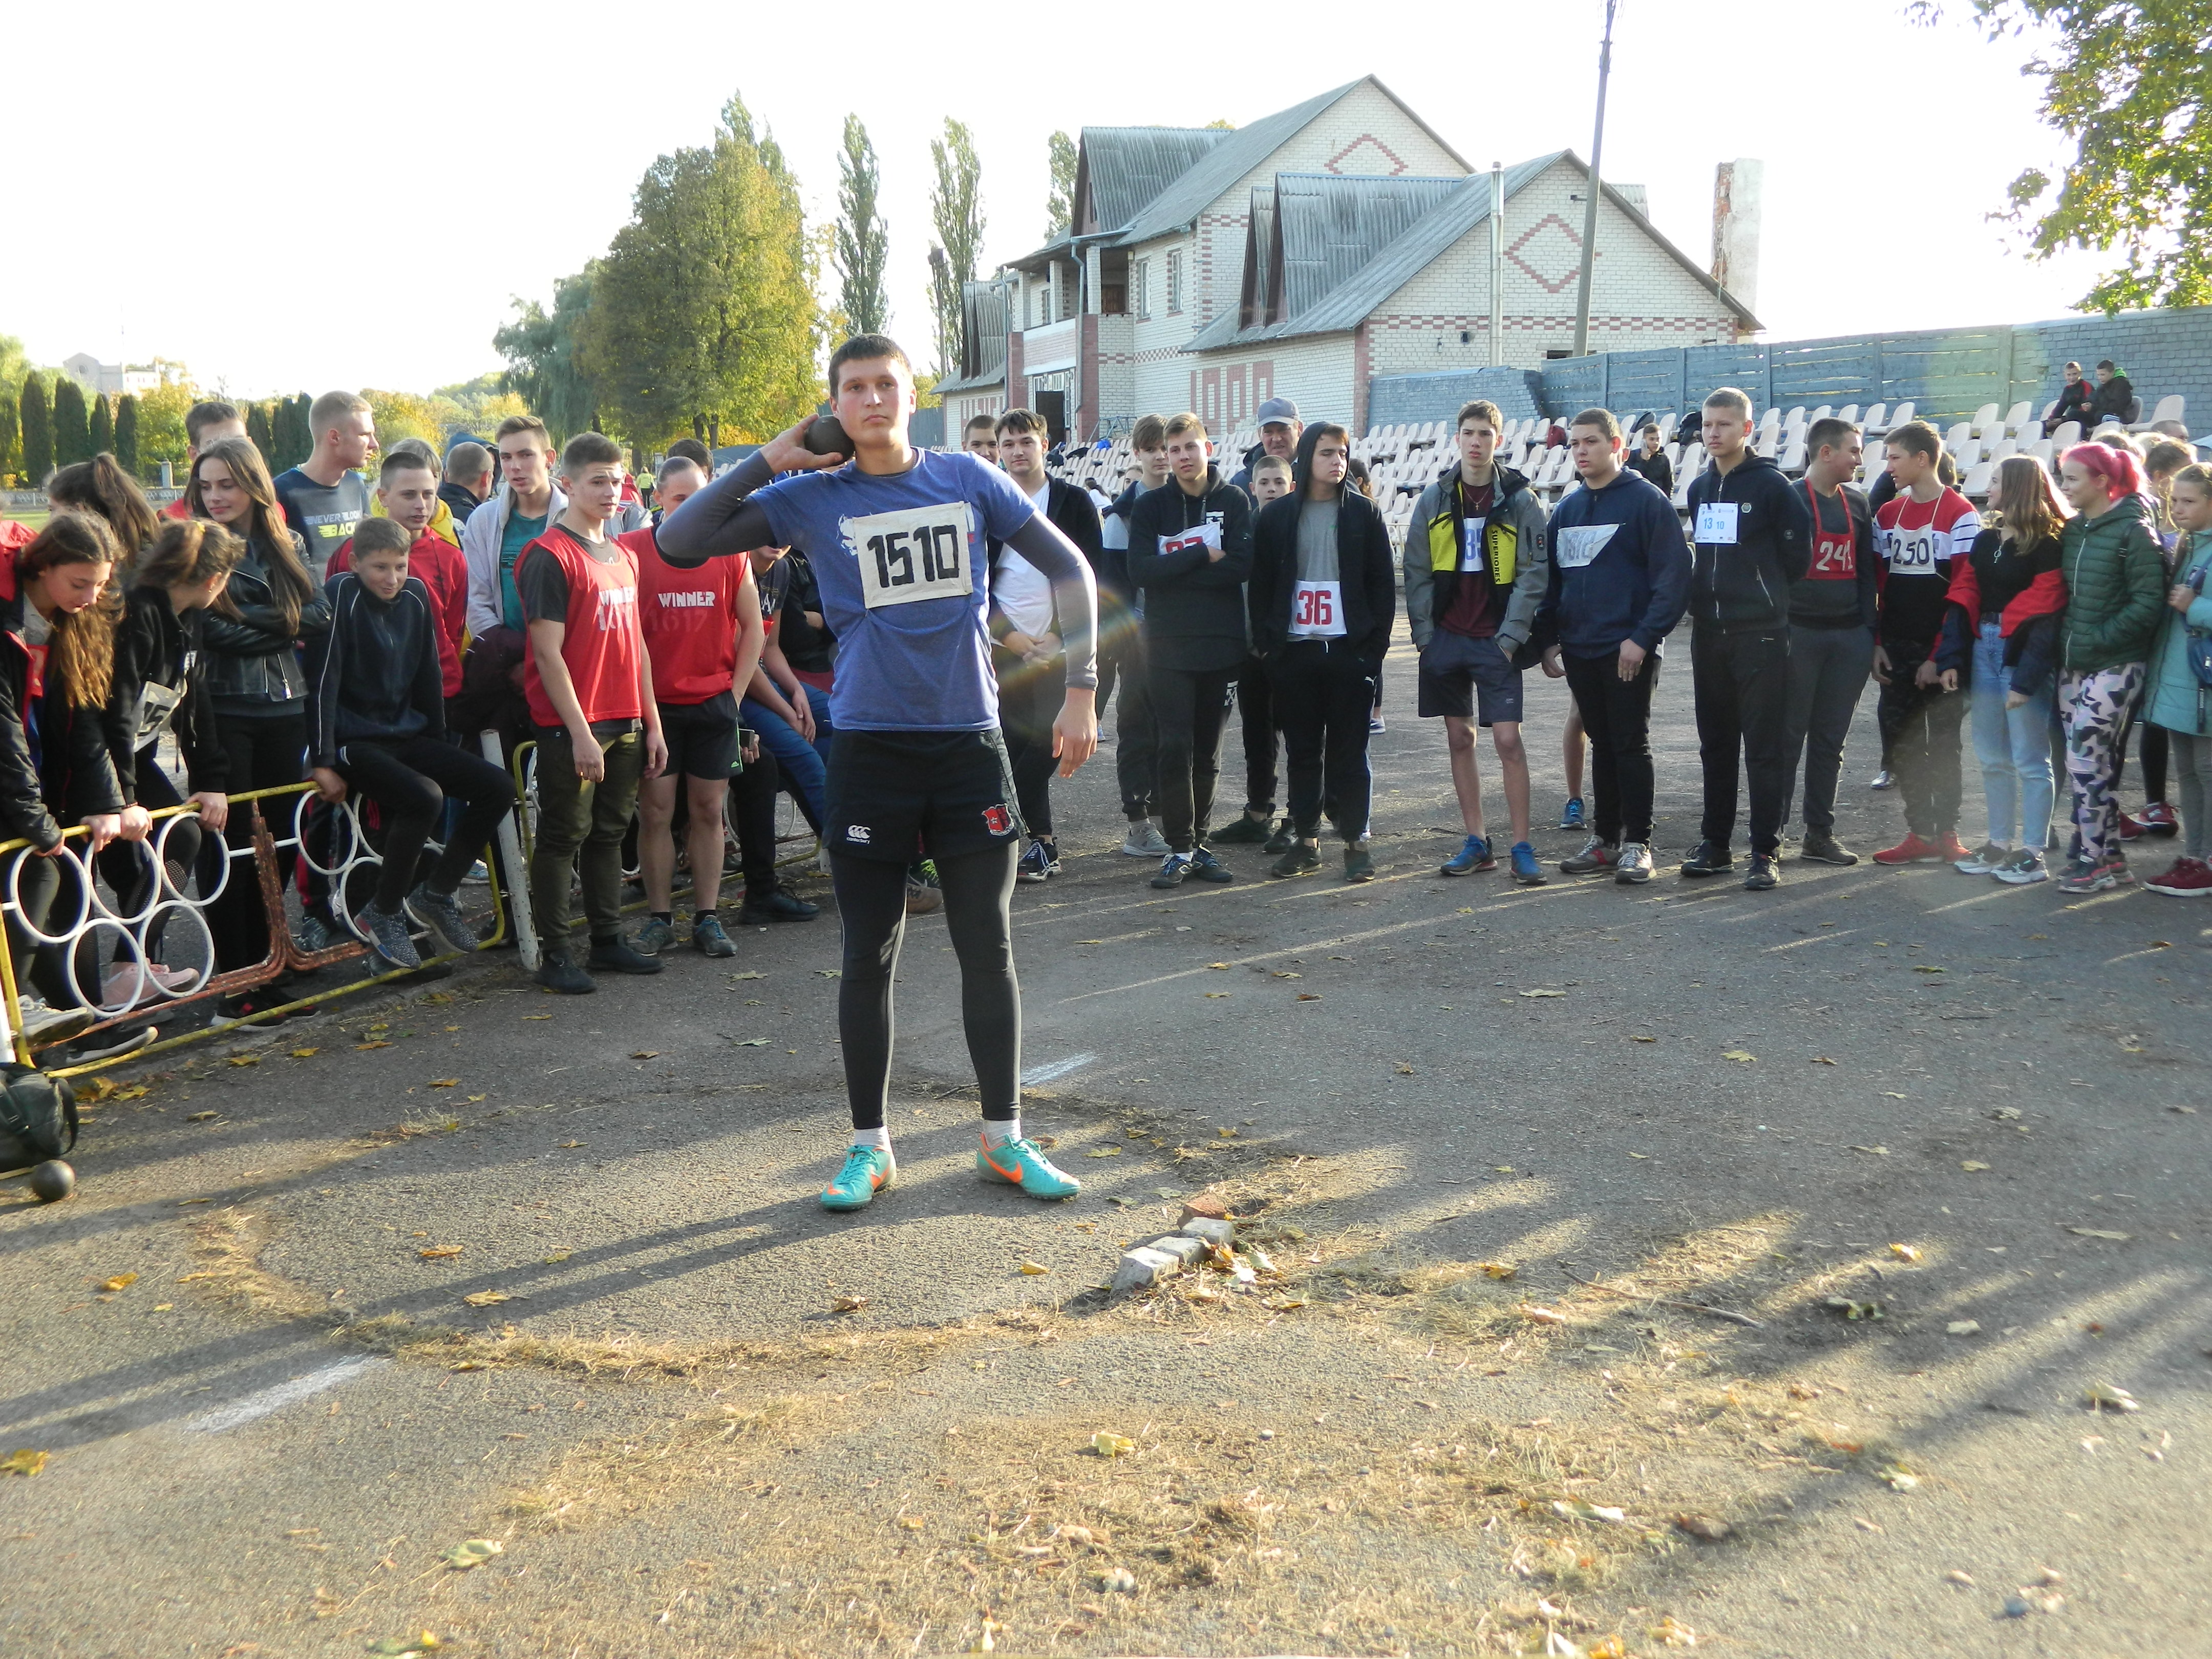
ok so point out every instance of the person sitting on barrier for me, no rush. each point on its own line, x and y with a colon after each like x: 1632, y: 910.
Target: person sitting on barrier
x: 376, y: 723
x: 159, y: 688
x: 56, y: 648
x: 260, y: 696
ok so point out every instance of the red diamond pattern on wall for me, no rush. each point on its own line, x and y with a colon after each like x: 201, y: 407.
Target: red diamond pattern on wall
x: 1365, y: 155
x: 1550, y: 252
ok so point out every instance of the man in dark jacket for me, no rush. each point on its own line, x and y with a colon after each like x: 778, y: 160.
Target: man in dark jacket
x: 1190, y: 551
x: 2076, y: 397
x: 1620, y: 576
x: 2115, y: 399
x: 1122, y: 645
x: 1831, y: 623
x: 466, y: 480
x: 1650, y: 460
x: 1323, y: 597
x: 1751, y: 533
x: 1026, y: 634
x: 1279, y: 433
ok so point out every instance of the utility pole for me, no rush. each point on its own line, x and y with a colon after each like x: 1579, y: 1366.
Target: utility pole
x: 1496, y: 263
x: 1589, y: 206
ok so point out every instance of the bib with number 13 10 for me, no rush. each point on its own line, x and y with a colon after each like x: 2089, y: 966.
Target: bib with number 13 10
x: 916, y: 553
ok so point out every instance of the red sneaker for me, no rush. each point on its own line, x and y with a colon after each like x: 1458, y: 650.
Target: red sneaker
x: 2159, y: 818
x: 2188, y: 878
x: 2132, y: 828
x: 1949, y: 849
x: 1912, y: 850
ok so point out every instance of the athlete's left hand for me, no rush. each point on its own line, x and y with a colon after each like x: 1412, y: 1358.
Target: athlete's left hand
x: 136, y: 822
x: 788, y: 451
x: 656, y: 753
x: 1075, y: 734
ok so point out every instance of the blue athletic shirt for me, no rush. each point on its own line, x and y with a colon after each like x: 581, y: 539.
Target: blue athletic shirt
x: 900, y: 561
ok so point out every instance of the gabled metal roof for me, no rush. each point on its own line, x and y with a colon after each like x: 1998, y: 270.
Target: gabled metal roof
x: 1335, y: 306
x: 1330, y: 229
x: 1255, y: 301
x: 1120, y: 169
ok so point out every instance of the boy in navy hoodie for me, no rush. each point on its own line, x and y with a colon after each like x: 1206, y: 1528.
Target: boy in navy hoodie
x: 1620, y: 576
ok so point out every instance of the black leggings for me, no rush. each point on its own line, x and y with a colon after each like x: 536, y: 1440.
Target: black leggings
x: 2153, y: 752
x: 979, y: 891
x: 410, y: 780
x: 265, y: 752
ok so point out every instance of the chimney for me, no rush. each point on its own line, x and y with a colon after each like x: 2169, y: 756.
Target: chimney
x: 1737, y: 187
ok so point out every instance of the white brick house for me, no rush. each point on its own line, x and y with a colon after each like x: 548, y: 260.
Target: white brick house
x: 1300, y: 256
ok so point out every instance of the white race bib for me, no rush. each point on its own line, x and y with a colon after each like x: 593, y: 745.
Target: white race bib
x: 1317, y: 611
x: 1470, y: 546
x: 1716, y: 523
x: 1574, y: 546
x: 916, y: 553
x: 1207, y: 535
x: 1912, y: 552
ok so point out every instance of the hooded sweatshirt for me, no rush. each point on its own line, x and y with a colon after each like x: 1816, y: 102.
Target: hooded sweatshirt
x: 1619, y: 569
x: 1753, y: 536
x: 374, y: 676
x: 1194, y: 604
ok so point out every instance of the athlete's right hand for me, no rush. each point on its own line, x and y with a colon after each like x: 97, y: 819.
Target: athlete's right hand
x: 328, y: 784
x: 788, y: 451
x: 1881, y: 664
x: 805, y: 710
x: 590, y: 759
x: 1552, y: 666
x: 1631, y: 659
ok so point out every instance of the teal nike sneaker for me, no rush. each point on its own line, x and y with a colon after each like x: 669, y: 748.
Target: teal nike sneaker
x: 868, y: 1170
x: 1020, y: 1164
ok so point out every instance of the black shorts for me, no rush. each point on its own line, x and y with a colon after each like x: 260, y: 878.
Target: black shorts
x: 701, y: 737
x: 1468, y: 678
x: 898, y: 796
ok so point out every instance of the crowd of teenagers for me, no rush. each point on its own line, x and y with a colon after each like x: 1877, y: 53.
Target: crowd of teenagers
x: 912, y: 644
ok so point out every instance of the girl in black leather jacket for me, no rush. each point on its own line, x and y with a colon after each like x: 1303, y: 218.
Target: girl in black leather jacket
x: 255, y: 680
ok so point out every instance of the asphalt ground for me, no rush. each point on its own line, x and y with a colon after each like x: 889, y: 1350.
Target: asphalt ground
x: 471, y: 1262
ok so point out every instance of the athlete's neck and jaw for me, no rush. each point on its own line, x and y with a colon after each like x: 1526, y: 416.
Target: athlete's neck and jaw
x: 595, y: 492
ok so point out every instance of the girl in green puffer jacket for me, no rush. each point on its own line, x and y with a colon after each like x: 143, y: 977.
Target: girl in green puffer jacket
x: 2115, y: 576
x: 2173, y: 698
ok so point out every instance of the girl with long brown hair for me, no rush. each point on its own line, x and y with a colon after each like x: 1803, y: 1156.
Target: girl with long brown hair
x: 2000, y: 634
x: 258, y: 687
x: 57, y: 656
x: 101, y: 487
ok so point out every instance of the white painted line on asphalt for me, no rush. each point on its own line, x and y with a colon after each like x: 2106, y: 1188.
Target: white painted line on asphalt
x: 1051, y: 1069
x: 1817, y: 939
x: 239, y: 1413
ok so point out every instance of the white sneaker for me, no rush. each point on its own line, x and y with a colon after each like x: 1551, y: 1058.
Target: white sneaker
x: 1882, y: 780
x: 43, y: 1023
x: 1143, y: 840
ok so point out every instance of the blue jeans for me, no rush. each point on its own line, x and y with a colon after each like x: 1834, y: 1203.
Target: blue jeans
x: 2013, y: 748
x: 801, y: 763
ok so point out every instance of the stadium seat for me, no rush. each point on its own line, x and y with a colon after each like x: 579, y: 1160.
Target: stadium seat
x: 1984, y: 418
x: 2169, y: 408
x: 1850, y: 412
x: 2042, y: 449
x: 1824, y: 411
x: 2016, y: 418
x: 2068, y: 433
x: 1978, y: 480
x: 2002, y: 448
x: 1874, y: 416
x: 1902, y: 413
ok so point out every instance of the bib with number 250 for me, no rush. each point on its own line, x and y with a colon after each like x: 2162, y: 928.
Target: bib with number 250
x: 916, y: 553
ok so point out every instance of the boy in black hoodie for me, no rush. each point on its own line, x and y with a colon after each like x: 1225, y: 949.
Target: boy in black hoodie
x: 1190, y: 551
x: 1753, y: 541
x: 376, y: 723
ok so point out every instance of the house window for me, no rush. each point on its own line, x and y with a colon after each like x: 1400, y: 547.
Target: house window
x: 1175, y: 280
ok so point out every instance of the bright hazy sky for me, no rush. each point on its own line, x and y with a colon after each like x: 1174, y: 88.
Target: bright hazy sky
x: 324, y: 198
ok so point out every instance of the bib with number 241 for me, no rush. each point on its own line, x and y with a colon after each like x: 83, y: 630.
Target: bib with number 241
x: 916, y: 553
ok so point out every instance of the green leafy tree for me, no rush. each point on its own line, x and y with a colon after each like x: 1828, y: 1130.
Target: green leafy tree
x: 15, y: 369
x: 863, y: 240
x: 72, y: 430
x: 256, y: 429
x: 2123, y: 80
x: 293, y: 431
x: 37, y: 428
x: 1060, y: 210
x: 403, y: 415
x: 127, y: 434
x: 100, y: 433
x: 540, y: 348
x: 705, y: 302
x: 956, y: 211
x: 162, y: 428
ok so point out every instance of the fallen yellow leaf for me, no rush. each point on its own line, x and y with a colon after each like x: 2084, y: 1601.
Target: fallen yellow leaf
x: 22, y: 1461
x: 445, y: 1082
x: 245, y: 1060
x: 1033, y: 1268
x: 1498, y: 1269
x: 847, y: 1303
x: 1112, y: 1445
x: 378, y: 1043
x: 473, y: 1553
x: 1742, y: 1056
x: 1905, y: 1252
x: 440, y: 1252
x: 120, y: 1282
x: 305, y: 1053
x: 1972, y: 1167
x: 1542, y: 992
x: 486, y: 1298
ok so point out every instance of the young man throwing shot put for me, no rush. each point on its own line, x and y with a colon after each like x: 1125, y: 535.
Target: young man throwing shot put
x: 897, y: 535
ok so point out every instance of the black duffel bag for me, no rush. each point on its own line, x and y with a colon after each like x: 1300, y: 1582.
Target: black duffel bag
x: 38, y: 1116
